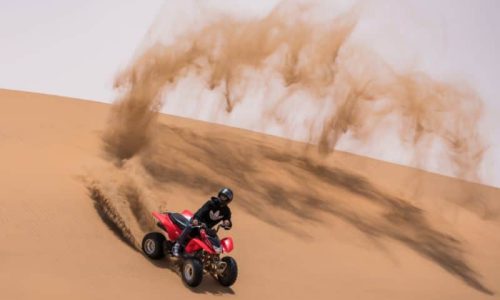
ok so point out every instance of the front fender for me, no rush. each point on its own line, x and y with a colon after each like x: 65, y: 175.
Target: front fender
x: 227, y: 244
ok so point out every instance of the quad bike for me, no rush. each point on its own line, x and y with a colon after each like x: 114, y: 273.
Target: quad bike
x: 201, y: 255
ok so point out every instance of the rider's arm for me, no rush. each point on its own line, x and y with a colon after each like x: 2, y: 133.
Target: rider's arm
x: 227, y: 220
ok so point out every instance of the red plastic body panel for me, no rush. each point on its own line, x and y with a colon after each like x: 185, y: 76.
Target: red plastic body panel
x: 187, y: 213
x: 227, y: 244
x: 172, y: 230
x: 196, y: 244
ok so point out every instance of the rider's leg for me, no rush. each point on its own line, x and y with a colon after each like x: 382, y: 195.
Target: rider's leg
x: 181, y: 241
x: 184, y: 235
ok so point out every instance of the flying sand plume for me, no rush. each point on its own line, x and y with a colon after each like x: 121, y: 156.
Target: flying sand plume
x: 357, y: 87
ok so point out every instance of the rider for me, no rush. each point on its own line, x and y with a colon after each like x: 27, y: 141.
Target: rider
x: 211, y: 213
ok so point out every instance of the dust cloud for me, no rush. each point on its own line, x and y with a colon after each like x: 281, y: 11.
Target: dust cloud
x: 353, y: 90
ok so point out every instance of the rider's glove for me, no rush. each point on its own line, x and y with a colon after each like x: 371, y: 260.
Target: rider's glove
x: 226, y: 224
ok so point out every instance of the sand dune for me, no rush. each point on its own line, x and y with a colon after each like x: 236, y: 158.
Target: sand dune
x: 341, y: 227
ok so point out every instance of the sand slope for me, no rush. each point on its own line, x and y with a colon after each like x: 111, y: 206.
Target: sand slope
x: 346, y: 227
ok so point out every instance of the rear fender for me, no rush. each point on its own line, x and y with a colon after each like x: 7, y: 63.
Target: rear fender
x: 196, y: 244
x: 172, y: 231
x: 227, y: 244
x: 187, y: 213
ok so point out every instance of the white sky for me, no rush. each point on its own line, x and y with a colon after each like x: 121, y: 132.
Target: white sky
x: 75, y: 47
x: 70, y: 47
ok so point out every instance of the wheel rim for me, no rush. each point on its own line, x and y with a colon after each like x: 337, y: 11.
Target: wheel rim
x: 150, y: 246
x: 188, y: 271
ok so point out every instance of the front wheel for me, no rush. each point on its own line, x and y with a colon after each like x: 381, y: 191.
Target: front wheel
x: 230, y: 273
x: 192, y: 272
x: 153, y: 245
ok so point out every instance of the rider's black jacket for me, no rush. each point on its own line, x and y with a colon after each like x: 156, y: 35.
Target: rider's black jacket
x: 212, y: 212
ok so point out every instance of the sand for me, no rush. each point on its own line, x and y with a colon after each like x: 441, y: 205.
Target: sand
x: 344, y: 227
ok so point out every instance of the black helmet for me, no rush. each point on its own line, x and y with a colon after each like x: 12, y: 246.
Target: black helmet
x: 225, y: 195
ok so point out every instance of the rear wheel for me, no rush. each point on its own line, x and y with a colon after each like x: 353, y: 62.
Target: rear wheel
x: 192, y: 272
x: 153, y: 245
x: 228, y: 277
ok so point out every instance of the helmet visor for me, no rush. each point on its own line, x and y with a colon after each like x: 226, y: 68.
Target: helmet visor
x: 224, y: 198
x: 225, y: 195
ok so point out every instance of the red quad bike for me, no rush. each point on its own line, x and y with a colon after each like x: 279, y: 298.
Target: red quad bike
x: 201, y: 255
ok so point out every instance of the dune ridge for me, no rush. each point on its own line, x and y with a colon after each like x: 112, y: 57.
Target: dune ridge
x: 345, y: 225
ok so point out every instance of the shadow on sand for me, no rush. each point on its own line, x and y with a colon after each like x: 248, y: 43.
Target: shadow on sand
x: 207, y: 286
x: 206, y: 163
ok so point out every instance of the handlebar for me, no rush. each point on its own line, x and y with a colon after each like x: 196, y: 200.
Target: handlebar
x: 222, y: 226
